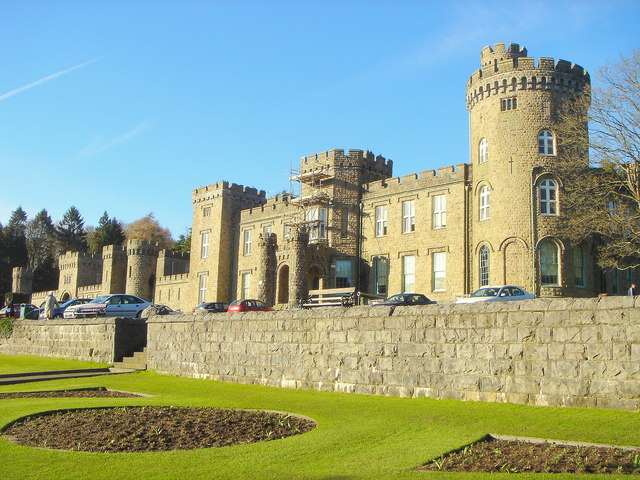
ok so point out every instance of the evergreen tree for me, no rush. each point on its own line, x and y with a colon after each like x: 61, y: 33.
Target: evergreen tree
x: 108, y: 232
x: 70, y: 232
x: 40, y: 239
x: 15, y: 240
x: 5, y: 271
x: 184, y: 243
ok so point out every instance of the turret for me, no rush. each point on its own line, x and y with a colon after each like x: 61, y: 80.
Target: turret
x: 142, y: 258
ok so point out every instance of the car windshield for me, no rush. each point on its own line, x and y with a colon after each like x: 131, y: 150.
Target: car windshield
x: 100, y: 299
x: 485, y: 292
x: 236, y: 302
x: 395, y: 298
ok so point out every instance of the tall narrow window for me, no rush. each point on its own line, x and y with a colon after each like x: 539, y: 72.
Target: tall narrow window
x: 202, y: 288
x: 484, y: 266
x: 247, y: 243
x: 381, y: 272
x: 439, y: 274
x: 245, y: 285
x: 549, y: 263
x: 344, y: 222
x: 204, y: 248
x: 381, y: 221
x: 409, y: 216
x: 548, y: 197
x: 578, y: 266
x: 343, y: 273
x: 408, y: 273
x: 483, y: 151
x: 316, y: 218
x: 439, y: 211
x: 484, y: 203
x: 546, y: 144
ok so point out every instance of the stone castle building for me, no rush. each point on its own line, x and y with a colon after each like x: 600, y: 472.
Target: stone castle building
x: 494, y: 220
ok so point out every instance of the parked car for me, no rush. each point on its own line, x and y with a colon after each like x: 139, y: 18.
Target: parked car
x: 32, y: 311
x: 248, y: 306
x: 407, y: 299
x: 211, y: 307
x: 58, y: 312
x: 117, y: 305
x: 497, y: 294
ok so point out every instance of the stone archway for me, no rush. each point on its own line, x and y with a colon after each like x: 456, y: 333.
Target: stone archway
x: 313, y: 278
x: 65, y: 297
x: 283, y: 284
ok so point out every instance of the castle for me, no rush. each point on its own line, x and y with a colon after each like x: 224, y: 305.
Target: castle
x: 496, y: 219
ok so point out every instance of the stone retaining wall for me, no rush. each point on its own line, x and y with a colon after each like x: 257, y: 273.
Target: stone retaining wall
x: 103, y: 340
x: 561, y: 352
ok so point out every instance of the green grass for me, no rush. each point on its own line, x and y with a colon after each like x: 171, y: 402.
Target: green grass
x: 358, y: 437
x: 26, y: 363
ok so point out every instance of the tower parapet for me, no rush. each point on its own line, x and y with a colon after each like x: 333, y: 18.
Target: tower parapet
x: 504, y: 70
x: 142, y: 259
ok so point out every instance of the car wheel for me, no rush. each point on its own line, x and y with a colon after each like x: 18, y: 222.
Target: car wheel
x: 139, y: 314
x: 57, y: 316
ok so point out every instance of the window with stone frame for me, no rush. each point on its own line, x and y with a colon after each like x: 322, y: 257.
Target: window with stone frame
x: 202, y: 288
x: 381, y: 275
x: 483, y: 151
x: 246, y: 250
x: 546, y: 143
x: 408, y: 273
x: 484, y: 203
x: 204, y: 247
x: 409, y: 216
x: 439, y: 211
x: 549, y: 267
x: 507, y: 104
x: 484, y: 266
x: 578, y: 266
x: 548, y: 196
x: 245, y: 285
x: 343, y: 273
x: 316, y: 218
x: 381, y: 221
x: 439, y: 271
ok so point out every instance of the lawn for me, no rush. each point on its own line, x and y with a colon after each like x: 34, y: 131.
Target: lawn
x: 358, y: 437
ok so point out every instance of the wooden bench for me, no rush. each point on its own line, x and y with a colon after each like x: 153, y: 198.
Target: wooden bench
x: 331, y: 297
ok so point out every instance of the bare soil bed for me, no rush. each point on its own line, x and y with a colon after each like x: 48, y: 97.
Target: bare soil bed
x: 152, y: 428
x: 504, y: 456
x: 99, y: 392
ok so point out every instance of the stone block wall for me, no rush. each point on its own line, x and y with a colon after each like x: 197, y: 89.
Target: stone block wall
x: 561, y: 352
x: 103, y: 340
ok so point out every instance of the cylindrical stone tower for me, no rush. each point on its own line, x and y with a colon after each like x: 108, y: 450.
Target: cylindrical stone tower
x: 141, y: 268
x: 515, y: 198
x: 265, y: 289
x: 22, y: 280
x: 298, y: 271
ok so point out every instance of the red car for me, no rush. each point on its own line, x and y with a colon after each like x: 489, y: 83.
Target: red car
x: 248, y: 306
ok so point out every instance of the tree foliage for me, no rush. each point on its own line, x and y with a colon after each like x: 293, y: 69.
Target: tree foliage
x: 108, y: 232
x: 603, y: 196
x: 70, y: 232
x: 15, y: 239
x: 40, y: 240
x: 184, y: 242
x: 147, y: 228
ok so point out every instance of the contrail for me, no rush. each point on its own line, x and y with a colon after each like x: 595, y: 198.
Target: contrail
x: 45, y: 79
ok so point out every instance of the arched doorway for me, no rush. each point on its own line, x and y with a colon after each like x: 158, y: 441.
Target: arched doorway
x: 283, y: 284
x: 313, y: 278
x: 65, y: 297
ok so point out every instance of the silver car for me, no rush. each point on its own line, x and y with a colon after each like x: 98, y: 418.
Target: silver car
x: 117, y: 305
x: 497, y: 294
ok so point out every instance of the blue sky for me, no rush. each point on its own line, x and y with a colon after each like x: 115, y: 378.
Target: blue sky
x: 127, y: 106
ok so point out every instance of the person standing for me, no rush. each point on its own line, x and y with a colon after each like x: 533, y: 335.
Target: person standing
x: 632, y: 290
x: 50, y: 304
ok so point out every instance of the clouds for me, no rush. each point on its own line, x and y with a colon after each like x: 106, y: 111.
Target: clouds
x: 46, y: 79
x: 99, y: 145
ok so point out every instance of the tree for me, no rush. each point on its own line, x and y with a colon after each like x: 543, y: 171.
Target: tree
x: 70, y: 232
x: 603, y: 196
x: 108, y: 232
x: 40, y: 240
x: 184, y: 242
x: 15, y: 239
x: 147, y: 228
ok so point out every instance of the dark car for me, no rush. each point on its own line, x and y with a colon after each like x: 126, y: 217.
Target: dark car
x: 407, y: 299
x: 58, y: 312
x: 248, y: 306
x: 211, y: 307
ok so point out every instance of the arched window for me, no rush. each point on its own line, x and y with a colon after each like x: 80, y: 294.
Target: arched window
x: 548, y: 193
x: 546, y: 143
x: 483, y: 151
x: 549, y: 263
x: 484, y: 203
x: 484, y: 266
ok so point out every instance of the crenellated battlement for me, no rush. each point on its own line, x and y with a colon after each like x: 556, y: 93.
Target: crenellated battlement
x: 509, y: 70
x: 221, y: 188
x: 334, y: 159
x: 170, y: 279
x: 111, y: 251
x: 142, y: 247
x: 425, y: 179
x: 168, y: 253
x: 70, y: 260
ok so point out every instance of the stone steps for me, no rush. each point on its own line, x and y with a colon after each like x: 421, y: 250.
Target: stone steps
x: 137, y: 361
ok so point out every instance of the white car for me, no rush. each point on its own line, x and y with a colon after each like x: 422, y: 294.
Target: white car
x: 497, y: 294
x: 110, y: 306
